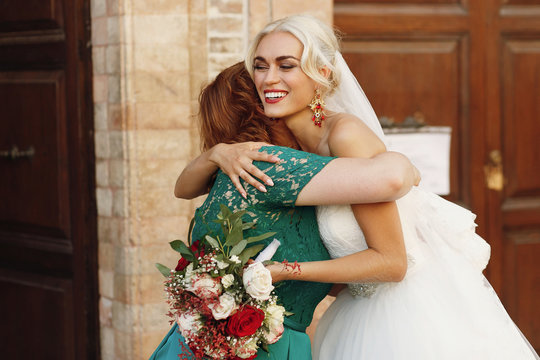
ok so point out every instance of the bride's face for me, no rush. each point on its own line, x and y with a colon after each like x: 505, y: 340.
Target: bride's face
x: 285, y: 90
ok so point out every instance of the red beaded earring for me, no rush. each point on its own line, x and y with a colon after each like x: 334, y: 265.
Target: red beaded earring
x: 317, y: 106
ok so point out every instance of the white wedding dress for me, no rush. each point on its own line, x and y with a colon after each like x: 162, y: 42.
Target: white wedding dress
x: 443, y: 309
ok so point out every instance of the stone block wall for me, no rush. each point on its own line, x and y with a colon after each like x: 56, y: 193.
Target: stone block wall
x: 150, y: 61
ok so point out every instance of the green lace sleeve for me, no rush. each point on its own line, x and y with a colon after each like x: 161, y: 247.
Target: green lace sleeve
x: 294, y: 171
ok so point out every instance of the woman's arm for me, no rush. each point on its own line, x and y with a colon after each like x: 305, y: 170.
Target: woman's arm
x: 234, y: 159
x: 385, y: 259
x: 385, y: 177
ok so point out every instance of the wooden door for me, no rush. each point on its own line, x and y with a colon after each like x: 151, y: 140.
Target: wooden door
x: 48, y: 242
x: 473, y: 65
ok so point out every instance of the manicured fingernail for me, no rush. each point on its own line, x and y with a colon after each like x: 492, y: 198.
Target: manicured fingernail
x: 244, y: 195
x: 261, y: 188
x: 269, y: 182
x: 275, y: 158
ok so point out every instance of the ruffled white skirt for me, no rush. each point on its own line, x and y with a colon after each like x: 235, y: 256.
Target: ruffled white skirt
x: 443, y: 309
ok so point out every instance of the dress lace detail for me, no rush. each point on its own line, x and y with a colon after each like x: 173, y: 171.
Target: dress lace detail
x: 295, y: 227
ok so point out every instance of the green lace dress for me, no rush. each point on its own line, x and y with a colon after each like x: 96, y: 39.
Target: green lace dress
x: 295, y: 227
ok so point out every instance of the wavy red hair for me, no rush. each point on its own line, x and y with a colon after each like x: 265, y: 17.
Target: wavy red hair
x: 231, y: 112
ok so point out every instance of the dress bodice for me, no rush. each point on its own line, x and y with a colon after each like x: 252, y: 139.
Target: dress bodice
x: 295, y: 227
x: 339, y: 230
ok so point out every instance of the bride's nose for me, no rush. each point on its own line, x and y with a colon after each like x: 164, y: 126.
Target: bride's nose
x: 272, y: 76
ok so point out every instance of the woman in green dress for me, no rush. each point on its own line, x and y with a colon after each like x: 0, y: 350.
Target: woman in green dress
x: 300, y: 181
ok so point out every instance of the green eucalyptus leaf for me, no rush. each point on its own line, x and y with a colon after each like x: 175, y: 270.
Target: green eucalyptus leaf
x: 213, y: 242
x: 234, y: 237
x: 260, y: 237
x: 179, y: 246
x: 225, y: 211
x: 247, y: 225
x: 237, y: 216
x: 249, y: 253
x: 238, y: 248
x: 163, y: 269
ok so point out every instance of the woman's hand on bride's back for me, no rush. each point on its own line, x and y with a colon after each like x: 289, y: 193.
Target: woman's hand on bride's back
x: 236, y: 160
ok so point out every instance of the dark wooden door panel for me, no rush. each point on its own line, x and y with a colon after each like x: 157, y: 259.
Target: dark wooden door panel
x: 439, y: 95
x: 34, y: 147
x: 48, y: 241
x: 32, y: 323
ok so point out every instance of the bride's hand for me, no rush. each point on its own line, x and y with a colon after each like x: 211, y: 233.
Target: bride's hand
x: 236, y: 160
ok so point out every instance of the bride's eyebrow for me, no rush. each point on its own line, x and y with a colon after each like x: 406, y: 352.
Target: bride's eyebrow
x: 279, y: 58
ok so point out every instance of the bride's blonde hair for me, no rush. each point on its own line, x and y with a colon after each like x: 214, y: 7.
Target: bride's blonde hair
x: 320, y: 46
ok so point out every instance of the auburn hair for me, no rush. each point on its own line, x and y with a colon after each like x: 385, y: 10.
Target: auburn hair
x: 230, y: 111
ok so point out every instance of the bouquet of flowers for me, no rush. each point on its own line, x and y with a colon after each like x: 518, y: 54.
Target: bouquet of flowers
x: 224, y: 307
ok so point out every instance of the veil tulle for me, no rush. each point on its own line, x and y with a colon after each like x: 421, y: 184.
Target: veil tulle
x: 349, y: 98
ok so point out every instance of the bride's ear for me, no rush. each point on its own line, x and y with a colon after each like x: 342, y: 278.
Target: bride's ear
x: 325, y: 71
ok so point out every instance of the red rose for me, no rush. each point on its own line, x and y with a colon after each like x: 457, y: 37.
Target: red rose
x: 245, y: 322
x: 182, y: 263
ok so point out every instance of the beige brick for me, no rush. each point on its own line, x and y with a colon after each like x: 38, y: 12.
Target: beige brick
x: 107, y: 343
x: 141, y: 7
x: 104, y: 201
x: 113, y: 87
x: 128, y: 344
x: 119, y: 206
x: 105, y: 311
x: 118, y: 171
x: 102, y: 173
x: 106, y: 256
x: 322, y: 9
x: 162, y: 57
x: 113, y: 29
x: 218, y: 63
x: 226, y: 24
x: 163, y: 144
x: 100, y: 116
x: 197, y: 7
x: 116, y: 144
x: 226, y: 45
x: 160, y: 172
x: 100, y: 88
x: 164, y: 29
x: 106, y: 283
x: 98, y: 60
x: 225, y: 7
x: 116, y: 114
x: 161, y: 86
x: 164, y: 116
x: 98, y: 8
x: 162, y: 230
x: 259, y: 16
x: 101, y: 143
x: 112, y: 59
x: 154, y: 315
x: 158, y: 202
x: 140, y: 289
x: 99, y: 31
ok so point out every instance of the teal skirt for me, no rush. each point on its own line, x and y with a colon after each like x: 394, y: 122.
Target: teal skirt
x: 294, y: 345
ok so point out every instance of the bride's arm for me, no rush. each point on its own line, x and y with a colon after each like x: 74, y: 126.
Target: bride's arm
x: 385, y: 259
x: 234, y: 159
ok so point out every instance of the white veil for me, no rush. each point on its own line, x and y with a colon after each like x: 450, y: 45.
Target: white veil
x: 349, y: 98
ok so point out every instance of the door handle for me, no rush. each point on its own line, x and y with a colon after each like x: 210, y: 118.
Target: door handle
x: 493, y: 171
x: 14, y: 153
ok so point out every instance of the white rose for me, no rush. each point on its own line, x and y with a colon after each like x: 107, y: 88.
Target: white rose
x: 258, y: 281
x: 204, y: 286
x: 235, y: 259
x: 248, y: 347
x: 189, y: 323
x: 227, y: 280
x: 224, y: 308
x: 274, y: 321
